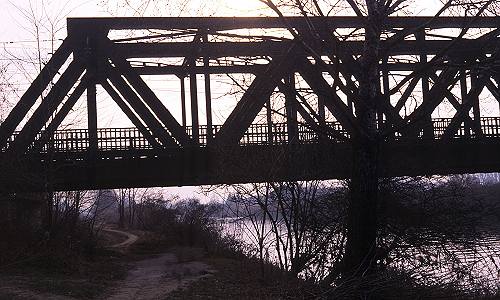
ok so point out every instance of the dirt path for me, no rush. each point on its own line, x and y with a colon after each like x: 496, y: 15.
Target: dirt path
x: 154, y: 278
x: 21, y: 293
x: 131, y: 238
x: 151, y: 278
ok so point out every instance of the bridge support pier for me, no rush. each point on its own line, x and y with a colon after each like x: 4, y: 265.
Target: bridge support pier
x: 22, y: 210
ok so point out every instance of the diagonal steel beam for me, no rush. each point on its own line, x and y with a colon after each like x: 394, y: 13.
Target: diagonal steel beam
x: 390, y: 111
x: 310, y: 115
x: 494, y: 90
x: 61, y: 114
x: 336, y: 52
x: 46, y: 108
x: 150, y: 98
x: 139, y: 107
x: 338, y: 108
x: 253, y: 100
x: 477, y: 44
x: 349, y: 67
x: 416, y: 119
x: 332, y: 46
x: 130, y: 114
x: 454, y: 102
x: 407, y: 93
x: 464, y: 109
x: 440, y: 89
x: 35, y: 90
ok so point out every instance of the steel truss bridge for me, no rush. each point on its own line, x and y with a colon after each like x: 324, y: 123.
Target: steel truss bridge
x: 293, y: 119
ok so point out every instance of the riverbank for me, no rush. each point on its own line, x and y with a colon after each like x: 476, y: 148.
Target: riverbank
x: 241, y: 279
x: 56, y: 276
x: 132, y: 266
x: 144, y: 265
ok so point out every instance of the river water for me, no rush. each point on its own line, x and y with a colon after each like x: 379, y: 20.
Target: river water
x: 476, y: 265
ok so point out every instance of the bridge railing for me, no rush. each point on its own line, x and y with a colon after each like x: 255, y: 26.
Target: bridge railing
x: 118, y: 139
x: 490, y: 127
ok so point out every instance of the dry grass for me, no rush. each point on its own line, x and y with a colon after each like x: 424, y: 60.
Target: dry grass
x: 63, y: 276
x: 241, y: 279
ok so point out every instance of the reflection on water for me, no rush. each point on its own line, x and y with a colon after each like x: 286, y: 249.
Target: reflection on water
x: 472, y: 266
x: 475, y: 265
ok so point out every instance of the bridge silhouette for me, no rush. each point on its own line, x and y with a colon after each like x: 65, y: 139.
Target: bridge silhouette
x: 294, y: 121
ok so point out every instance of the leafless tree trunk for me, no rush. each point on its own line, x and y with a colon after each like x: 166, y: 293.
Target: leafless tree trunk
x: 362, y: 219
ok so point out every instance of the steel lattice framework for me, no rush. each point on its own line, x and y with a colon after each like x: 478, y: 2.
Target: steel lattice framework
x: 314, y: 75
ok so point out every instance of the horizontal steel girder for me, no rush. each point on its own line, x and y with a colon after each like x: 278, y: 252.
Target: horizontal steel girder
x: 201, y: 166
x: 229, y: 23
x: 256, y: 49
x: 151, y: 69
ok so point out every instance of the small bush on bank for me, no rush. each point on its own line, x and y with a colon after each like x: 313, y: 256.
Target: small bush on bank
x: 187, y: 223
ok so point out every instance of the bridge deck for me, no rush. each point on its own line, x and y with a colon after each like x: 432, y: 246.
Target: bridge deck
x: 125, y: 159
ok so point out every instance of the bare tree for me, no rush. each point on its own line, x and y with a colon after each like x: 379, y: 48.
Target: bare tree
x: 298, y: 225
x: 249, y: 205
x: 128, y: 200
x: 364, y: 184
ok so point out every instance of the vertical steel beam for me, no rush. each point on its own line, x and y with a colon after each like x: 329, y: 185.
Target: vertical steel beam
x: 321, y: 110
x: 269, y: 120
x: 208, y: 94
x: 291, y: 109
x: 387, y: 93
x: 90, y: 56
x: 92, y: 115
x: 183, y: 100
x: 476, y: 81
x: 380, y: 112
x: 322, y: 118
x: 193, y: 91
x: 428, y: 130
x: 463, y: 93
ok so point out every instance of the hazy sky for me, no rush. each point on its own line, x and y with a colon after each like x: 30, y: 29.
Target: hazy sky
x: 12, y: 21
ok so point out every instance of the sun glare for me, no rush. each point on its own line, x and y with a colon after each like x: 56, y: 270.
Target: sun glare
x: 241, y: 8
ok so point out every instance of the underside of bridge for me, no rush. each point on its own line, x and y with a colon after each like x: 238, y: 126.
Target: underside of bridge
x: 291, y: 115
